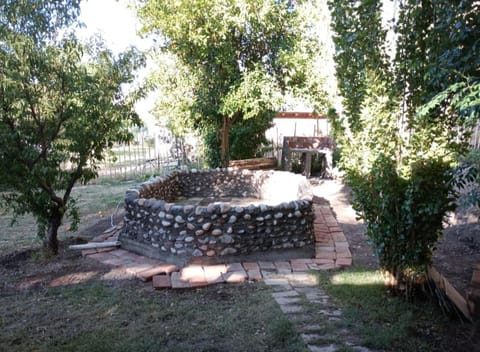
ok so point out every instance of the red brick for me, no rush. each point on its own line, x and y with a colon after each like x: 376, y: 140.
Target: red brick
x: 325, y: 255
x: 177, y: 282
x: 299, y: 266
x: 325, y: 243
x: 344, y: 253
x: 322, y: 248
x: 234, y: 267
x: 136, y: 268
x: 266, y: 265
x: 334, y: 228
x: 254, y: 275
x: 282, y: 265
x: 326, y: 266
x: 341, y: 244
x: 338, y: 236
x: 235, y: 277
x: 192, y: 273
x: 161, y: 281
x: 213, y: 273
x: 323, y: 261
x: 250, y: 266
x: 302, y: 260
x: 342, y: 262
x: 147, y: 275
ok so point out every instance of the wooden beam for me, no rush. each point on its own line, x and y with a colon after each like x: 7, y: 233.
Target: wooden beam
x: 299, y: 115
x: 94, y: 245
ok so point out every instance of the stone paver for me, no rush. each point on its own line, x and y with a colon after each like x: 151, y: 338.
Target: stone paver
x: 327, y: 348
x: 161, y: 281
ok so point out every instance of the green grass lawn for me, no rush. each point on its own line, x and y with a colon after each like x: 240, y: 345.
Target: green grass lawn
x: 390, y: 323
x: 101, y: 315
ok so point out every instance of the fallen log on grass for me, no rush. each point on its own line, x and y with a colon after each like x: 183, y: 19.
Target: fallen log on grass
x: 95, y: 245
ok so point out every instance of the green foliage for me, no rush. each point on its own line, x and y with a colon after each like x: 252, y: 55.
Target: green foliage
x: 404, y: 212
x: 225, y: 62
x: 399, y: 131
x: 252, y: 131
x: 62, y: 107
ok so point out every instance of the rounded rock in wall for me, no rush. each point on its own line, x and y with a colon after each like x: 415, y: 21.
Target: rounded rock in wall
x: 217, y: 232
x: 227, y: 239
x: 179, y: 219
x: 206, y: 226
x: 197, y: 253
x: 224, y: 208
x: 210, y: 253
x: 227, y: 251
x: 190, y: 226
x: 203, y: 240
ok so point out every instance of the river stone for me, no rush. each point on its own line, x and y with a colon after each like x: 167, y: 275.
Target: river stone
x: 190, y: 226
x: 247, y: 217
x: 225, y: 208
x: 232, y: 219
x: 197, y: 253
x: 210, y: 253
x: 217, y: 232
x: 188, y: 208
x: 206, y: 226
x: 189, y: 239
x: 226, y: 239
x: 199, y: 232
x: 228, y: 250
x: 166, y: 223
x: 179, y: 219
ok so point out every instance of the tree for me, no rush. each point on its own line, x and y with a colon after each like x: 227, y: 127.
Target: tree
x: 61, y: 106
x: 237, y: 55
x: 406, y: 120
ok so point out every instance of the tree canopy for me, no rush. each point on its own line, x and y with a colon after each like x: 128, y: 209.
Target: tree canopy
x: 62, y: 105
x: 233, y: 59
x: 407, y: 115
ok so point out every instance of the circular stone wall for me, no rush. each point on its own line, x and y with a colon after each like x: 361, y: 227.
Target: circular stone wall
x: 157, y: 225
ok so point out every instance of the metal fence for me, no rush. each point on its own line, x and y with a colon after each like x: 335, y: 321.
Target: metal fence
x: 143, y: 158
x: 475, y: 138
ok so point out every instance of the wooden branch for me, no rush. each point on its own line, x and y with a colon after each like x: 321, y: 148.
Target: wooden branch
x: 93, y: 245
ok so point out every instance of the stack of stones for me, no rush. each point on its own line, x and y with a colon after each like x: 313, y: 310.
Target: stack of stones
x: 156, y: 226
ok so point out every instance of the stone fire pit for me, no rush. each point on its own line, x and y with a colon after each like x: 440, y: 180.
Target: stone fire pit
x: 217, y: 213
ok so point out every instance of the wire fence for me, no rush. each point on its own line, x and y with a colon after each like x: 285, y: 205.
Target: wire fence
x: 145, y: 158
x: 475, y: 138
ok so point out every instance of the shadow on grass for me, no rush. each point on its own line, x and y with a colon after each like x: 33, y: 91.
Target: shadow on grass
x: 390, y: 323
x: 75, y: 304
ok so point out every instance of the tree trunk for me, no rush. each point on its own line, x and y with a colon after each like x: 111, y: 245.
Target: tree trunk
x: 225, y: 148
x: 50, y: 242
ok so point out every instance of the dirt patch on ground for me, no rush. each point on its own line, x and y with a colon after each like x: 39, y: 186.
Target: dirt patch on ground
x: 457, y: 253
